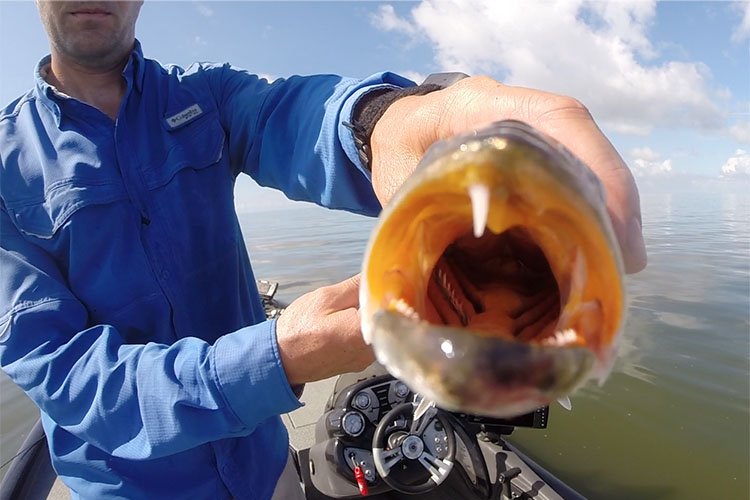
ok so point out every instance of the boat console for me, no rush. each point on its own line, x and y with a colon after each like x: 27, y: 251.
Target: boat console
x: 368, y: 442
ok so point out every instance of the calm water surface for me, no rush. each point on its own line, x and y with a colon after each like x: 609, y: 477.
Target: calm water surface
x: 672, y: 421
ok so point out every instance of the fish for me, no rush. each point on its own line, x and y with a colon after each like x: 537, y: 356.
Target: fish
x: 492, y: 282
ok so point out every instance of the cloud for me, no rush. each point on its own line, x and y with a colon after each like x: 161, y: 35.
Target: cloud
x: 645, y: 153
x: 739, y: 164
x: 740, y: 132
x: 387, y: 19
x: 204, y: 10
x: 742, y: 31
x: 648, y: 163
x: 598, y: 52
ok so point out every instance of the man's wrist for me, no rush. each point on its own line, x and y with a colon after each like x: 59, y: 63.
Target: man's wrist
x: 371, y: 107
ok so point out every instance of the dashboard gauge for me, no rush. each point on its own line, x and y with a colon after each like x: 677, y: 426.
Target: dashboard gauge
x: 353, y: 423
x: 401, y: 390
x: 362, y: 401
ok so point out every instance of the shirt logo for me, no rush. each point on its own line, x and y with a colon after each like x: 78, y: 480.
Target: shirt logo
x: 184, y: 116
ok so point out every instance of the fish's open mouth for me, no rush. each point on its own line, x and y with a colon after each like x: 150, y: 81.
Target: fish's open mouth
x: 522, y: 276
x: 493, y: 281
x: 497, y: 286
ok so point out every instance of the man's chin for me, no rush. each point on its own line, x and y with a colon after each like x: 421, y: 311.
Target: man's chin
x: 96, y: 51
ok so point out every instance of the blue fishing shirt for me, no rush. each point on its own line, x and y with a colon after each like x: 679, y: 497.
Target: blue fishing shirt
x: 128, y: 306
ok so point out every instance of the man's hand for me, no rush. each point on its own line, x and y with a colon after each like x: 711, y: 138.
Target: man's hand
x: 319, y: 334
x: 411, y: 124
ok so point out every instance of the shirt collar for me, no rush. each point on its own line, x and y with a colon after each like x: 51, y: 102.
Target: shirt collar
x: 44, y: 90
x: 137, y: 66
x: 134, y: 71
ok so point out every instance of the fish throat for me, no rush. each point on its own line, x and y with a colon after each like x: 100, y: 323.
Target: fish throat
x: 498, y: 285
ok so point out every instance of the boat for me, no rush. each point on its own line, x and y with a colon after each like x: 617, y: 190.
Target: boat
x: 366, y: 439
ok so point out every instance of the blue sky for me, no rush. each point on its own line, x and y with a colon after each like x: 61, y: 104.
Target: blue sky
x: 669, y: 82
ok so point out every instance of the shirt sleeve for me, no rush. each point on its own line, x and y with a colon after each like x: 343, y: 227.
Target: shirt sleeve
x: 132, y: 401
x: 291, y: 135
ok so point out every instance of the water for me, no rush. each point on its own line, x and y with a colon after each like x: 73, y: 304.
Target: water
x: 673, y: 420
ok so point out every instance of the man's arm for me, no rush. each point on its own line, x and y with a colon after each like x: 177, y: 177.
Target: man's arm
x: 291, y: 134
x: 132, y: 401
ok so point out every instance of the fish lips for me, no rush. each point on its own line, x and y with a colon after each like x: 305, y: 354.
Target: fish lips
x: 472, y: 373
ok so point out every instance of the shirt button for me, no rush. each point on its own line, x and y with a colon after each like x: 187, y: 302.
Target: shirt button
x: 164, y: 274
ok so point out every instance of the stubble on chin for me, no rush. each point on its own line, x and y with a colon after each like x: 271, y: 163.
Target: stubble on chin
x: 93, y: 46
x: 93, y: 50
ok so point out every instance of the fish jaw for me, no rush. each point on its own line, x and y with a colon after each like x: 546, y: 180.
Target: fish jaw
x: 433, y: 277
x: 477, y: 374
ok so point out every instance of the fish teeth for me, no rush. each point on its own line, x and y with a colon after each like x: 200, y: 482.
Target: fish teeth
x: 561, y: 338
x: 401, y: 306
x: 480, y: 207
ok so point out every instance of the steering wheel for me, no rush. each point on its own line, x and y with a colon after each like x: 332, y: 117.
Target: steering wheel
x: 413, y: 456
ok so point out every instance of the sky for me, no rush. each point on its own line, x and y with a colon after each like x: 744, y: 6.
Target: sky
x: 668, y: 82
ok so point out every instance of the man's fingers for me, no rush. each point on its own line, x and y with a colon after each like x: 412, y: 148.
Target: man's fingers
x: 345, y: 294
x: 635, y: 253
x: 589, y: 144
x: 319, y: 334
x: 623, y: 205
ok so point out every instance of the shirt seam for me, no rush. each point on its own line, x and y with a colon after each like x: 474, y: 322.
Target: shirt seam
x: 220, y: 385
x: 255, y: 133
x: 56, y: 186
x: 29, y: 97
x: 30, y: 304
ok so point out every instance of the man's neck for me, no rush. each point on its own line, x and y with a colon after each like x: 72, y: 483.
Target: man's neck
x: 102, y: 88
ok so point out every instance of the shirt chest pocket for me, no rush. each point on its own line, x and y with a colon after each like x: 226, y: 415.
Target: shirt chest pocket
x: 196, y: 145
x: 44, y: 218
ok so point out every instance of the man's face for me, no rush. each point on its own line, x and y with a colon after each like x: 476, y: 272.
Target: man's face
x: 93, y: 34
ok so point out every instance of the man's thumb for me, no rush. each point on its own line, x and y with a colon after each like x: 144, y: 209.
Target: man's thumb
x: 348, y: 292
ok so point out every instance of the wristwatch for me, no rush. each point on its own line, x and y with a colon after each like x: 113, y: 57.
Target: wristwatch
x: 371, y: 107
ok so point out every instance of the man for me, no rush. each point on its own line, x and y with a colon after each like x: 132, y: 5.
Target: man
x: 128, y: 310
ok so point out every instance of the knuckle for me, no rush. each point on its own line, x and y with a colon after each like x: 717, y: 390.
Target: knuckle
x: 544, y: 107
x: 480, y: 81
x: 325, y: 295
x: 565, y: 102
